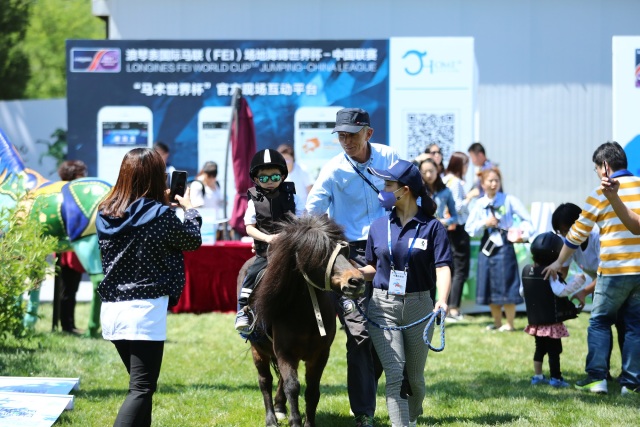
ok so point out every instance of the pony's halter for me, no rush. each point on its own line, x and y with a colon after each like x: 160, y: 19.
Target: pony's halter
x: 327, y: 284
x: 327, y: 274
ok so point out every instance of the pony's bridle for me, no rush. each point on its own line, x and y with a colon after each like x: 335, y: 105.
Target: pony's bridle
x: 327, y: 284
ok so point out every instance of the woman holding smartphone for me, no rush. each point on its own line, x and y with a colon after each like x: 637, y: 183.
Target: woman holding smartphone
x: 141, y: 240
x: 501, y: 219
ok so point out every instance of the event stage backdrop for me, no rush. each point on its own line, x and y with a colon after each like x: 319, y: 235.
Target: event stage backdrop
x: 128, y: 93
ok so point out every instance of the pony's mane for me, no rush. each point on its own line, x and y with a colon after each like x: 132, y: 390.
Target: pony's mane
x: 305, y: 242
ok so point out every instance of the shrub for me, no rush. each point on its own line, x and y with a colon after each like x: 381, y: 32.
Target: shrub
x: 23, y: 265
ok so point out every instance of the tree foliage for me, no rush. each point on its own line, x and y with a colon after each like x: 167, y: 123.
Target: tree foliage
x: 23, y: 264
x: 14, y: 64
x: 52, y: 22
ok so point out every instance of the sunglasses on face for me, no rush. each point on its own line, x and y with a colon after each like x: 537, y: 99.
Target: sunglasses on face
x: 276, y: 177
x: 435, y: 152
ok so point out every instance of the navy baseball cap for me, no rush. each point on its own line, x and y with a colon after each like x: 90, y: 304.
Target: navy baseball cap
x: 351, y: 120
x: 401, y: 171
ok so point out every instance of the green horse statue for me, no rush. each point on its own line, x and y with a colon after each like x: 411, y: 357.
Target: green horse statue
x: 67, y: 209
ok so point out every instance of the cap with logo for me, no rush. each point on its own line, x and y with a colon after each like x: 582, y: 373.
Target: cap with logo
x: 351, y: 120
x: 401, y: 171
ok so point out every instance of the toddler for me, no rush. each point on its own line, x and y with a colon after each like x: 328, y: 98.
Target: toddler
x: 547, y: 307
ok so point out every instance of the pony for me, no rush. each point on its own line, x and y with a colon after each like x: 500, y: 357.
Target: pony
x: 295, y: 318
x: 68, y: 211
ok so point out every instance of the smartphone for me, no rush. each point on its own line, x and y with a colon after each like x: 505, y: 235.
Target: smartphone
x: 313, y: 140
x: 121, y: 129
x: 178, y: 185
x: 488, y: 247
x: 606, y: 171
x: 213, y: 136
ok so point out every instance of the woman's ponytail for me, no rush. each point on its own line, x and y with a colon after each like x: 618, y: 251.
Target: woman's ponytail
x: 427, y: 204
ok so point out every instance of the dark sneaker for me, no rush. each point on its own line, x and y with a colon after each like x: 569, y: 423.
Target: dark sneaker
x: 625, y: 391
x: 593, y: 385
x: 364, y: 421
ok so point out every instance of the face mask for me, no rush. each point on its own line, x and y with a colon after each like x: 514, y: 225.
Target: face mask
x: 388, y: 199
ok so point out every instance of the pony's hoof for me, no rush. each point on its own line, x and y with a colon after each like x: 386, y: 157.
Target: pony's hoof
x: 281, y: 416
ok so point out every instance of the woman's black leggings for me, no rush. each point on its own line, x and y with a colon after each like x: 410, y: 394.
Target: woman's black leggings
x: 142, y: 360
x: 553, y: 348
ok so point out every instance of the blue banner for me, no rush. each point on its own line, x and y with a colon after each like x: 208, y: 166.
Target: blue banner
x: 128, y: 93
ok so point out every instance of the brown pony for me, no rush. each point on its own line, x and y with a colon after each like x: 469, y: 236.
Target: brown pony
x: 308, y: 257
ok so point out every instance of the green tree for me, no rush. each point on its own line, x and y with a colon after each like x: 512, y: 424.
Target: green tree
x: 52, y: 23
x: 23, y: 264
x: 14, y: 65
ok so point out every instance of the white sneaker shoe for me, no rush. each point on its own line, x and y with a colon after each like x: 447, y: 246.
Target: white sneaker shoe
x: 243, y: 323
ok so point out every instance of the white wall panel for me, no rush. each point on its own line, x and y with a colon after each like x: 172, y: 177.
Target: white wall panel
x: 545, y: 66
x: 543, y: 137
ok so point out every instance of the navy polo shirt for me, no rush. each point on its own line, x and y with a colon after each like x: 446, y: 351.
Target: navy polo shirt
x: 431, y: 252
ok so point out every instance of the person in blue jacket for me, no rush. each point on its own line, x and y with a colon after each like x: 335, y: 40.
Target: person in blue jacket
x: 141, y: 240
x: 408, y: 254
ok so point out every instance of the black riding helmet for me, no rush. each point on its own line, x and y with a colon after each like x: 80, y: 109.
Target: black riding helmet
x: 268, y: 159
x: 546, y: 247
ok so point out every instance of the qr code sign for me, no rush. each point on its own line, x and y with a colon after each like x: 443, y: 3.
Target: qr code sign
x: 427, y: 128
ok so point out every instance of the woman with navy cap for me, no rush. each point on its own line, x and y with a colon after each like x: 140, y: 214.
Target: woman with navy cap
x: 408, y: 254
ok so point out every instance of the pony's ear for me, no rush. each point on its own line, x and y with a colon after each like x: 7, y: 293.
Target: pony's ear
x: 325, y: 216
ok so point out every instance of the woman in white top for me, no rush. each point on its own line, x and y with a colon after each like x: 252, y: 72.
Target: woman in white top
x: 206, y: 192
x: 297, y: 174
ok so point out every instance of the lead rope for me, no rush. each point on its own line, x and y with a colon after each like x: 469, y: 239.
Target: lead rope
x: 431, y: 317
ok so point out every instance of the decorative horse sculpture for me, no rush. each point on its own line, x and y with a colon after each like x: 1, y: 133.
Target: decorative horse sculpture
x: 294, y: 314
x: 68, y: 209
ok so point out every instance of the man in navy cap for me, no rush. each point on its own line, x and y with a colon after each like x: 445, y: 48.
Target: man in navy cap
x: 349, y: 194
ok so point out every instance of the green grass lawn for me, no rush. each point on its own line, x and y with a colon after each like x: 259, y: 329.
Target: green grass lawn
x: 208, y: 378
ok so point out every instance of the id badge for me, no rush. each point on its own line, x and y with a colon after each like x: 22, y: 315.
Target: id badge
x: 397, y: 282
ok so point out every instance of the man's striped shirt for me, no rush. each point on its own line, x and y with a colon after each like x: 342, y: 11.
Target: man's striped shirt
x: 619, y: 248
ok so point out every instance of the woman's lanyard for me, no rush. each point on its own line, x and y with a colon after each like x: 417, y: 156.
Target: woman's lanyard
x: 398, y: 278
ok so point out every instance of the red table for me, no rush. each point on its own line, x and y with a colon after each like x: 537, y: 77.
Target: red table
x: 211, y: 273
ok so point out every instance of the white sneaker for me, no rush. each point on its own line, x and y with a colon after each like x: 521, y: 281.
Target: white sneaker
x: 627, y: 391
x: 243, y: 322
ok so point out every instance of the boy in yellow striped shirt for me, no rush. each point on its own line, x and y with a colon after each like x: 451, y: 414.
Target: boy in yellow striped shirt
x: 618, y: 281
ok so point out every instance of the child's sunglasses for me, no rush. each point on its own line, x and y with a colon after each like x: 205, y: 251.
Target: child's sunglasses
x: 276, y: 177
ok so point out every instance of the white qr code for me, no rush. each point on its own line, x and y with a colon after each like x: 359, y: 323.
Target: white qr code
x: 425, y: 128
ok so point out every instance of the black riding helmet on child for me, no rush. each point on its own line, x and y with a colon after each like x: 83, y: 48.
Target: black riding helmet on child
x: 545, y: 248
x: 268, y: 158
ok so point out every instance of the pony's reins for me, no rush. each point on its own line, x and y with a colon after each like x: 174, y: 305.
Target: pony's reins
x: 327, y: 285
x: 431, y: 317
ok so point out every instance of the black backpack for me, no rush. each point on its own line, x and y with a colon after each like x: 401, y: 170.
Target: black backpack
x: 543, y: 306
x: 202, y: 185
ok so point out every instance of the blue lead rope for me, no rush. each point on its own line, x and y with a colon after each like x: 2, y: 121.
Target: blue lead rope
x: 431, y: 317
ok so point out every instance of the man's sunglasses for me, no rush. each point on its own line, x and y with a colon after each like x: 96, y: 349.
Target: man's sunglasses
x: 276, y: 177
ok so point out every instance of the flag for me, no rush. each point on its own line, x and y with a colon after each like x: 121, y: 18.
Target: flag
x: 243, y: 148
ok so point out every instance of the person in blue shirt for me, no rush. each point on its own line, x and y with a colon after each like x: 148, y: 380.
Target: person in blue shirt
x: 348, y: 192
x: 480, y: 161
x: 439, y: 192
x: 501, y: 220
x: 408, y: 255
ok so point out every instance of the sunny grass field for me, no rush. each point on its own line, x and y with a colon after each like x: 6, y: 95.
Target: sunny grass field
x: 208, y: 378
